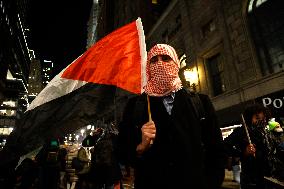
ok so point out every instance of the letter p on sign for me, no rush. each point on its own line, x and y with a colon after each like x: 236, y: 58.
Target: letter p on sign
x: 266, y: 101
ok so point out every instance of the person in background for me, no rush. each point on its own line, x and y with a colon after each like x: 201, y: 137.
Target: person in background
x: 105, y: 171
x: 256, y: 156
x: 181, y: 146
x: 62, y: 156
x: 236, y: 169
x: 49, y: 165
x: 83, y: 157
x: 277, y: 133
x: 234, y: 164
x: 27, y: 173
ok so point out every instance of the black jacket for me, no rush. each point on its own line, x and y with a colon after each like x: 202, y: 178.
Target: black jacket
x: 104, y: 164
x: 253, y: 168
x: 186, y: 152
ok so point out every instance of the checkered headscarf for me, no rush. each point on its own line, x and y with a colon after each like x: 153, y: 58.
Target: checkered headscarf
x: 162, y: 77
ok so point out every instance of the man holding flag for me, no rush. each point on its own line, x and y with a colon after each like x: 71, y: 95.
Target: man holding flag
x: 168, y: 134
x: 82, y: 93
x: 170, y: 148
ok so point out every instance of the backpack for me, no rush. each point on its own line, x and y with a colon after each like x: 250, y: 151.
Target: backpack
x: 77, y: 164
x: 52, y: 157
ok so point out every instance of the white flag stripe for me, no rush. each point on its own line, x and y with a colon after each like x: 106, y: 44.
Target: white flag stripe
x: 143, y: 52
x: 57, y: 87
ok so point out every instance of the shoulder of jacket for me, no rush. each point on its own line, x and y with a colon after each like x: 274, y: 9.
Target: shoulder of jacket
x: 138, y: 97
x: 202, y: 96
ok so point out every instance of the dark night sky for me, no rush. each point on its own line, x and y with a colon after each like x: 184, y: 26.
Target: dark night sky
x: 58, y: 30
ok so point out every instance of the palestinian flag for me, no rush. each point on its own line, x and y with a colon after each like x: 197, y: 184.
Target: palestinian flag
x: 84, y: 92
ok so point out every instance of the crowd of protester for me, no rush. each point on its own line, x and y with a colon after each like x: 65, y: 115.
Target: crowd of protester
x: 182, y: 146
x: 96, y: 166
x: 256, y: 151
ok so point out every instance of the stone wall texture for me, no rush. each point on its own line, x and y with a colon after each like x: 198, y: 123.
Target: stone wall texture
x: 228, y: 35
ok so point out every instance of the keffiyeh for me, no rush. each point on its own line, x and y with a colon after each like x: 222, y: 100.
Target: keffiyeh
x: 162, y: 77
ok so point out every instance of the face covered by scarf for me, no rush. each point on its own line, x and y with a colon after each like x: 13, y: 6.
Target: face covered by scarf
x: 162, y: 76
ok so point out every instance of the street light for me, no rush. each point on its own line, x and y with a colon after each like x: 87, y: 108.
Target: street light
x: 191, y: 78
x: 89, y: 127
x: 77, y: 137
x: 82, y: 132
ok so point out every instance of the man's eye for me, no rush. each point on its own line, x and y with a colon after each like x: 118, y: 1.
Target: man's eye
x: 166, y: 58
x: 154, y: 59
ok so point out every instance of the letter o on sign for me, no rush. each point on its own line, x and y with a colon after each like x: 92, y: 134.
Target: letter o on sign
x: 277, y: 103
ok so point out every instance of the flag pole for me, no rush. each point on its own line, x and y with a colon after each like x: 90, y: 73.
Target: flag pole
x: 149, y: 114
x: 149, y: 109
x: 247, y: 133
x: 246, y: 129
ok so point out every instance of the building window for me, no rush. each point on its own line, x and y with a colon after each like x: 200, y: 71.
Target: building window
x: 266, y: 23
x: 208, y: 28
x: 176, y: 28
x: 154, y: 1
x: 7, y: 112
x: 9, y: 103
x: 165, y: 36
x: 158, y: 7
x: 216, y: 75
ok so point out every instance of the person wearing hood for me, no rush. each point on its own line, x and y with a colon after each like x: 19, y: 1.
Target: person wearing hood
x: 278, y: 136
x: 180, y: 145
x: 256, y: 147
x: 275, y: 128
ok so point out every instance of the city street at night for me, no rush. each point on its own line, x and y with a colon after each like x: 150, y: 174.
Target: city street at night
x: 123, y: 94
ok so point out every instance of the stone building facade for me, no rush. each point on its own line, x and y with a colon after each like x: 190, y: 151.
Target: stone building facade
x: 236, y: 47
x: 228, y: 42
x: 116, y: 13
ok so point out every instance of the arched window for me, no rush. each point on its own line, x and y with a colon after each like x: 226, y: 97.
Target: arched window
x: 266, y: 22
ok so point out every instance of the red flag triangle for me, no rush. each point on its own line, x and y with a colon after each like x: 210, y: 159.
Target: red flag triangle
x: 118, y: 59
